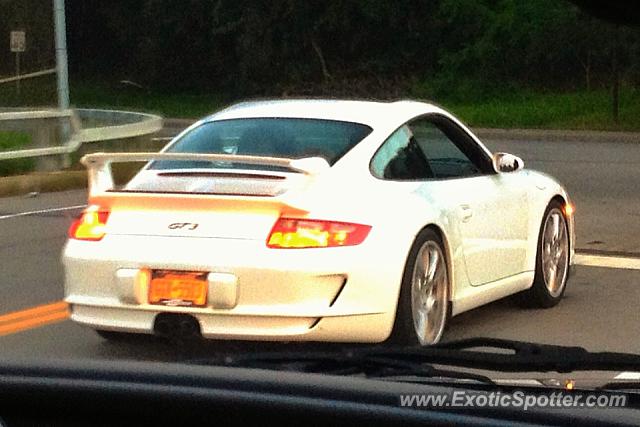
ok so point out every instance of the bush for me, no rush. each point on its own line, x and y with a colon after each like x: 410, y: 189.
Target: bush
x: 13, y: 141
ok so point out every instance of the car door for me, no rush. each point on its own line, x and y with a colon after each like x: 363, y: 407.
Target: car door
x: 489, y: 208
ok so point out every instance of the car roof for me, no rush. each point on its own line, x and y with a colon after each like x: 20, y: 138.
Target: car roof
x: 371, y: 113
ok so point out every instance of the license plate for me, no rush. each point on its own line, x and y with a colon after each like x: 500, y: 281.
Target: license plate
x: 178, y: 289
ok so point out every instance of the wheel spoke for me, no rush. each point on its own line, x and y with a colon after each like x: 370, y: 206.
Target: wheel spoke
x: 548, y: 259
x: 548, y: 232
x: 441, y: 273
x: 419, y: 273
x: 422, y: 323
x: 434, y: 261
x: 556, y: 227
x: 563, y: 233
x: 430, y: 303
x: 551, y: 278
x: 562, y: 250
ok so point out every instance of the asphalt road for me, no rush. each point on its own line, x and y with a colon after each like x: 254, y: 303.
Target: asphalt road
x: 601, y: 178
x: 599, y: 311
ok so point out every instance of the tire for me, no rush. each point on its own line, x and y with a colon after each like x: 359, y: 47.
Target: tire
x: 550, y: 283
x: 423, y: 304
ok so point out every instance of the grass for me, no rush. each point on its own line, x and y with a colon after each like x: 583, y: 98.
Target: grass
x: 514, y: 109
x: 39, y: 91
x: 9, y: 141
x: 572, y: 110
x: 576, y: 110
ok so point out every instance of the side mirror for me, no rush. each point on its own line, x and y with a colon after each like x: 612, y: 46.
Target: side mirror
x: 505, y: 162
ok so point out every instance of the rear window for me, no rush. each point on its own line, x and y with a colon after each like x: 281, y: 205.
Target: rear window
x: 272, y: 137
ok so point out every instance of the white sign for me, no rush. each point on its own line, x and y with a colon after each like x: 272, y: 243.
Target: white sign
x: 18, y: 41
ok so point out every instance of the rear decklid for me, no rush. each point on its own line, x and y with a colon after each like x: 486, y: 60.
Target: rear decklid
x: 211, y: 203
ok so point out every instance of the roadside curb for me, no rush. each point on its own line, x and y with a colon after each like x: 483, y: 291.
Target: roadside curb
x: 42, y: 182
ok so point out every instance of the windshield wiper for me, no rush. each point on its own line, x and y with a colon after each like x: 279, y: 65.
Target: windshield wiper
x: 625, y: 386
x: 351, y: 363
x: 514, y: 356
x: 478, y: 353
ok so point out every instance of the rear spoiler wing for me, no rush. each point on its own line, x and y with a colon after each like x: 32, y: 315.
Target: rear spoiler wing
x: 101, y: 179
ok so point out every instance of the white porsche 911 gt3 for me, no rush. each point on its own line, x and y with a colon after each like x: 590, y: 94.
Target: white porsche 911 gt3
x: 315, y: 220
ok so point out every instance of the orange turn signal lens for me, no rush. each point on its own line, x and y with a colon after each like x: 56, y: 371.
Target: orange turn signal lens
x: 309, y: 233
x: 90, y: 225
x: 569, y: 209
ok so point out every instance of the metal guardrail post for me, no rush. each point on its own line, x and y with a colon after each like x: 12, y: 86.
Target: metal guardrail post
x: 44, y: 134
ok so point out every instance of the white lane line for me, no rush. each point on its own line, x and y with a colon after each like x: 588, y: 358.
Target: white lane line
x: 608, y: 261
x: 17, y: 215
x: 628, y: 375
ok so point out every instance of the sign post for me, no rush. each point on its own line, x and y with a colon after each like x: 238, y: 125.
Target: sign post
x: 61, y: 54
x: 18, y: 42
x: 62, y: 70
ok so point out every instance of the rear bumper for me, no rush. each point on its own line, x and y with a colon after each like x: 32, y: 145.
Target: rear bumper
x: 334, y: 294
x: 365, y: 328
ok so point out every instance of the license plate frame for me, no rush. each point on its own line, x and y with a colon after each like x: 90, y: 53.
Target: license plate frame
x: 172, y: 288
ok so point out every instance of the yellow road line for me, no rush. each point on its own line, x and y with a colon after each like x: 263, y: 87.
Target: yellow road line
x: 33, y: 317
x: 33, y: 323
x: 34, y: 311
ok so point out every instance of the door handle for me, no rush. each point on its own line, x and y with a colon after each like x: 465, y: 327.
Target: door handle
x: 467, y: 213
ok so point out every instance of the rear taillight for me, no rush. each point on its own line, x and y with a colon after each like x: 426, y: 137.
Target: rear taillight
x: 310, y: 233
x: 90, y: 225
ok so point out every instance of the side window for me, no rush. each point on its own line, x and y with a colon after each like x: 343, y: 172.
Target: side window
x: 401, y: 158
x: 450, y: 154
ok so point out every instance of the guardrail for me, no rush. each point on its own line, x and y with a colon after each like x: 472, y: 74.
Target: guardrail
x: 28, y: 76
x: 109, y: 125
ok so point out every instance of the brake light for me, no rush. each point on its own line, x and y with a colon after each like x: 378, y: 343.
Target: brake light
x: 90, y: 225
x: 309, y: 233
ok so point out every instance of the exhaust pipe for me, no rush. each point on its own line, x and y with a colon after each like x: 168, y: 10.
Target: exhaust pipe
x: 176, y: 326
x: 162, y: 328
x: 187, y: 328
